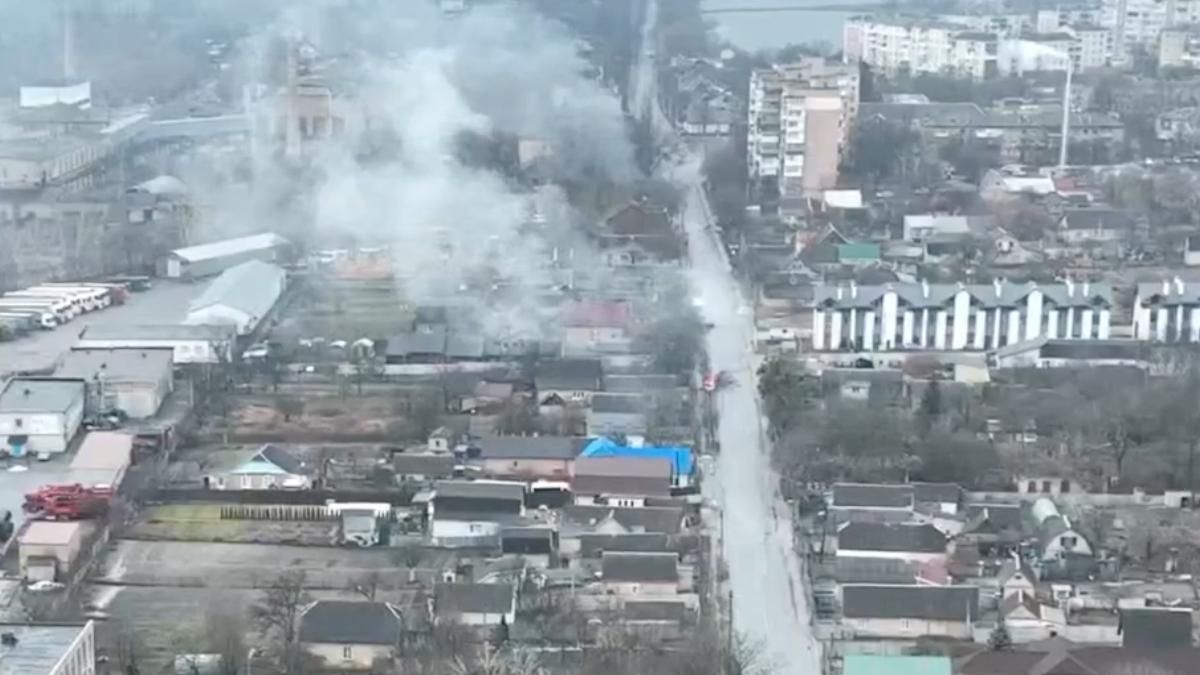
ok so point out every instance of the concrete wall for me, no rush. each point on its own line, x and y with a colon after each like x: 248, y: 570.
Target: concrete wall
x: 908, y: 628
x: 645, y: 588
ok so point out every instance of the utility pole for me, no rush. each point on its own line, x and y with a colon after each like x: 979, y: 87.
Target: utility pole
x: 1066, y: 116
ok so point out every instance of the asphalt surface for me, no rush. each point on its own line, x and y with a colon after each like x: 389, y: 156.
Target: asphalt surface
x: 770, y: 601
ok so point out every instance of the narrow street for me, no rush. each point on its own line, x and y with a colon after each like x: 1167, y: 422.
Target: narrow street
x: 770, y: 604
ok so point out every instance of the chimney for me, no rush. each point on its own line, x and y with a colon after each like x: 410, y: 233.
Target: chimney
x: 839, y: 292
x: 996, y: 285
x: 924, y: 288
x: 1166, y: 287
x: 1086, y: 286
x: 853, y: 289
x: 1070, y: 287
x: 1179, y: 285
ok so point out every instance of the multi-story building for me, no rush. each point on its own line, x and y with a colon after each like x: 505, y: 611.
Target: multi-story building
x: 1093, y: 46
x: 958, y: 317
x: 1167, y: 311
x: 1139, y: 23
x: 799, y: 118
x: 1054, y: 20
x: 901, y: 45
x: 1179, y: 47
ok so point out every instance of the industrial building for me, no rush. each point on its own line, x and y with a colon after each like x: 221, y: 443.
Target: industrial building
x: 189, y: 344
x: 241, y: 297
x: 135, y: 381
x: 48, y: 649
x: 206, y: 260
x: 40, y: 416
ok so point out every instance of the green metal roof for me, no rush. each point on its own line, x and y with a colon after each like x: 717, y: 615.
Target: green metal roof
x: 871, y: 664
x: 858, y: 251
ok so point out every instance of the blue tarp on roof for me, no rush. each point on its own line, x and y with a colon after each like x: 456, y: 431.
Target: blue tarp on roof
x: 682, y: 460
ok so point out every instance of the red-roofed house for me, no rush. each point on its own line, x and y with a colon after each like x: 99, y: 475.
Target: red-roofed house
x: 592, y: 326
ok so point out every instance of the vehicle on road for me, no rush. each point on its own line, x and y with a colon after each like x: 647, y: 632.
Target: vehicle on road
x: 50, y: 312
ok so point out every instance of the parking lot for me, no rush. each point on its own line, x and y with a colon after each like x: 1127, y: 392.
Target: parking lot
x: 166, y: 302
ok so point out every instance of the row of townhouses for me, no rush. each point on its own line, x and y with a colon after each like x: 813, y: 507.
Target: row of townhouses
x: 905, y: 316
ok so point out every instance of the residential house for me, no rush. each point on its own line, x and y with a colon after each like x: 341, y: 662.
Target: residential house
x: 620, y: 481
x: 473, y: 512
x: 921, y: 228
x: 561, y: 382
x: 1010, y: 181
x: 628, y: 573
x: 594, y: 545
x: 940, y: 498
x: 581, y: 521
x: 871, y: 502
x: 1015, y: 578
x: 994, y: 529
x: 904, y: 541
x: 1156, y: 628
x: 243, y: 297
x: 351, y: 635
x: 422, y: 467
x: 1026, y: 618
x: 591, y: 327
x: 681, y: 457
x: 528, y: 457
x: 909, y: 611
x: 1167, y: 311
x: 863, y: 385
x: 536, y: 544
x: 619, y: 415
x: 1044, y: 352
x: 862, y: 570
x: 1058, y: 655
x: 646, y: 226
x: 205, y: 345
x: 135, y: 381
x: 475, y: 604
x: 426, y: 344
x: 268, y: 467
x: 957, y: 316
x: 1093, y: 224
x: 40, y: 416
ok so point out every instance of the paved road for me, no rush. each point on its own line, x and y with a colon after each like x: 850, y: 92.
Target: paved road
x: 770, y: 603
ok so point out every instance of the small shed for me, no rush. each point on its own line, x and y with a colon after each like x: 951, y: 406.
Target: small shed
x: 47, y: 549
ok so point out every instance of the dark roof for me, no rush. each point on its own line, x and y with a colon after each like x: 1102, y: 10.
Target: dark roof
x: 865, y: 495
x: 638, y: 384
x: 645, y: 476
x: 282, y: 459
x: 996, y: 517
x: 1014, y: 600
x: 1156, y: 628
x: 899, y: 537
x: 935, y: 603
x: 654, y: 610
x: 423, y: 463
x: 529, y: 533
x: 1095, y: 349
x: 528, y: 447
x: 862, y: 570
x: 622, y: 404
x: 1093, y: 218
x: 664, y: 519
x: 593, y: 545
x: 639, y: 566
x: 1062, y: 657
x: 569, y: 374
x: 428, y: 340
x: 473, y: 598
x: 930, y: 493
x: 350, y: 622
x: 479, y: 490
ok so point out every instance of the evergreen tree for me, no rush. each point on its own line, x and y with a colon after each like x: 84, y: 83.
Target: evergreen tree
x: 1000, y: 637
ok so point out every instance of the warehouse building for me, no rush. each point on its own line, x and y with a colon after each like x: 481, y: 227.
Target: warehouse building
x: 40, y: 416
x: 135, y: 381
x: 241, y: 297
x: 188, y: 344
x: 206, y: 260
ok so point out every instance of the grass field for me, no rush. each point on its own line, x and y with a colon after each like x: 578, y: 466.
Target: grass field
x: 203, y: 522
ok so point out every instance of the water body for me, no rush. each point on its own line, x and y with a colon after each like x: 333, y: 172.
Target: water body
x: 770, y: 30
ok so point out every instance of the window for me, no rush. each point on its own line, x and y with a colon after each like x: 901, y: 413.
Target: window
x: 346, y: 654
x: 1032, y: 486
x: 1065, y: 486
x: 17, y: 423
x: 1045, y: 486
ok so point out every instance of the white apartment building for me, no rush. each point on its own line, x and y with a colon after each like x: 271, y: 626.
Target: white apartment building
x: 895, y: 46
x: 956, y: 317
x: 1054, y: 20
x: 799, y: 118
x: 1140, y: 22
x: 1167, y: 311
x: 1179, y: 47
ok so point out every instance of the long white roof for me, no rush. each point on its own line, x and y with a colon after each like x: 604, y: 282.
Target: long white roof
x: 218, y: 249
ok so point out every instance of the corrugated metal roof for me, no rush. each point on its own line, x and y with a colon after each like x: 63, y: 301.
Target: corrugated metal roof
x: 220, y: 249
x: 252, y: 287
x: 34, y: 396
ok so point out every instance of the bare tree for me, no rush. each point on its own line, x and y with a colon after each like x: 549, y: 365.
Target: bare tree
x: 409, y: 555
x: 367, y: 585
x: 226, y: 632
x: 279, y: 609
